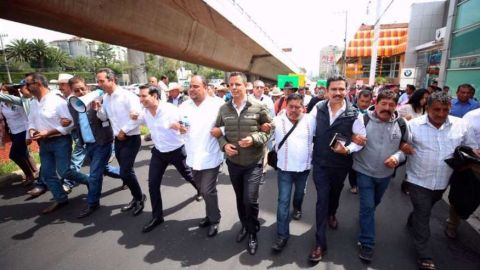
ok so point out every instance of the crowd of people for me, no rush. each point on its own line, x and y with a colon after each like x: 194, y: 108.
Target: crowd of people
x: 356, y: 132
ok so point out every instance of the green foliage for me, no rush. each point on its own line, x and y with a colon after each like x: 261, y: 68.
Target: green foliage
x: 381, y: 80
x: 104, y: 54
x: 143, y: 130
x: 10, y: 166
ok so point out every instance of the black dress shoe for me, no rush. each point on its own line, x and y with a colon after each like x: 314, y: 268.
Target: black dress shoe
x: 279, y: 244
x: 213, y: 230
x: 252, y: 244
x: 204, y: 222
x: 129, y: 206
x: 241, y: 234
x: 152, y: 224
x: 88, y: 211
x: 139, y: 205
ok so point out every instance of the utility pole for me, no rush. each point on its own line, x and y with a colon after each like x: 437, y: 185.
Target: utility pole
x: 5, y: 58
x: 376, y: 34
x: 345, y: 47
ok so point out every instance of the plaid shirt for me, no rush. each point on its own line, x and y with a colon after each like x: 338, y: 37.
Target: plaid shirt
x: 427, y: 167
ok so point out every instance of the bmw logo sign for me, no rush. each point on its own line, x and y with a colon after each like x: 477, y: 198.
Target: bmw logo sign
x: 407, y: 73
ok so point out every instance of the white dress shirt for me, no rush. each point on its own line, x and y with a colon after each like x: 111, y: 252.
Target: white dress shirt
x: 264, y: 99
x: 473, y: 119
x: 203, y: 151
x: 296, y: 152
x: 117, y: 107
x: 45, y: 114
x: 164, y: 138
x: 16, y: 117
x: 432, y: 145
x: 357, y: 128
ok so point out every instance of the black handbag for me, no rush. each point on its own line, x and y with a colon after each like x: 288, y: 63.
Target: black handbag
x: 272, y: 155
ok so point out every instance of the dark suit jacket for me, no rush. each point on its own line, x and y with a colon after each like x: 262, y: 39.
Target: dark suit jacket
x: 102, y: 131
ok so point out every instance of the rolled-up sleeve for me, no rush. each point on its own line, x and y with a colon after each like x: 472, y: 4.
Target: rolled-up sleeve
x: 359, y: 129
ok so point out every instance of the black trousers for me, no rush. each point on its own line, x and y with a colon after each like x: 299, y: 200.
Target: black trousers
x: 126, y: 151
x: 246, y: 183
x: 158, y: 165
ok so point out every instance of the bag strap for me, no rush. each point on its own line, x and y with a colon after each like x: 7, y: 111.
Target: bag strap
x: 288, y: 134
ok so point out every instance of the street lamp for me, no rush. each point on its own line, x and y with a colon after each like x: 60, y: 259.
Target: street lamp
x: 5, y: 57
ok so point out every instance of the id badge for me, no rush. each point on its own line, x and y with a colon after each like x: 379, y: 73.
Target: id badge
x: 105, y: 124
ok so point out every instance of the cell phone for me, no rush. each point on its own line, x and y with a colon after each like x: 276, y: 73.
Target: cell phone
x: 338, y: 137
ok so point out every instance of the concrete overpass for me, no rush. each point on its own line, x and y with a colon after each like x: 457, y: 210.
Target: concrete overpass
x: 214, y: 33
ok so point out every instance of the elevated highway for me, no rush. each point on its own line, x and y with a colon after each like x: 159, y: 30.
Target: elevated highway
x: 214, y: 33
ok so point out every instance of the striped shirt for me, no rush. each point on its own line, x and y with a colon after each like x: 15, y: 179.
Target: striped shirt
x: 427, y: 167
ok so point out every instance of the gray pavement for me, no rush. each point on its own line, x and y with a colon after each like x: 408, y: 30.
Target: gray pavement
x: 110, y: 239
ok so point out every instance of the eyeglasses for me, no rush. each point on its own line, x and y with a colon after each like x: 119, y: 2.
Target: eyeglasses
x: 258, y: 87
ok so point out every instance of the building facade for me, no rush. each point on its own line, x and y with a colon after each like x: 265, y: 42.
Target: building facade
x: 391, y: 53
x: 463, y: 28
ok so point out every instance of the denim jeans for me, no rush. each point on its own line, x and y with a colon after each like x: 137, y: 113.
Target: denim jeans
x: 78, y: 156
x: 286, y: 180
x: 126, y: 151
x: 371, y: 190
x: 99, y: 155
x: 55, y: 154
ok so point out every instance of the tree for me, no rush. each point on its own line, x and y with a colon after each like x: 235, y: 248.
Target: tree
x: 57, y: 58
x: 83, y: 63
x: 19, y: 50
x: 105, y: 54
x: 39, y: 51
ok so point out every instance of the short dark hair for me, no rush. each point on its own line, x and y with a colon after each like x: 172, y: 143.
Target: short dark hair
x: 110, y: 74
x: 438, y: 97
x: 336, y: 79
x: 152, y: 90
x: 411, y: 86
x: 241, y: 74
x: 365, y: 93
x: 75, y: 79
x: 387, y: 94
x: 39, y: 78
x: 466, y: 85
x: 163, y: 77
x: 294, y: 96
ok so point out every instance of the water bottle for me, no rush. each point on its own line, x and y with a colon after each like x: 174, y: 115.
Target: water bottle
x: 185, y: 121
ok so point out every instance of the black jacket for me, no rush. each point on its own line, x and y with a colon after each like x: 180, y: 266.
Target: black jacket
x: 102, y: 131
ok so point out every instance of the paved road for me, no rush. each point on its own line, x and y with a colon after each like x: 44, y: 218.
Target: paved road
x: 113, y: 240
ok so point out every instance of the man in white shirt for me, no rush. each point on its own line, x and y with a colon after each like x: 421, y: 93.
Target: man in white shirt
x: 434, y: 138
x: 168, y: 148
x: 203, y: 152
x: 331, y: 162
x: 44, y: 125
x: 294, y: 163
x: 258, y: 93
x: 118, y: 105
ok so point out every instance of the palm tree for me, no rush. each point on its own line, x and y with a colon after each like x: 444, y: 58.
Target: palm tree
x: 39, y: 50
x: 56, y: 57
x: 19, y: 50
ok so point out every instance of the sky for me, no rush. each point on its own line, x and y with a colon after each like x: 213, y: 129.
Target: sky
x: 303, y: 25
